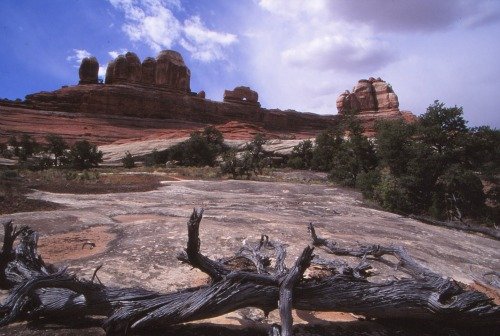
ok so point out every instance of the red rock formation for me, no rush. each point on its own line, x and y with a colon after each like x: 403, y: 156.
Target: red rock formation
x: 88, y: 71
x: 160, y: 88
x: 171, y: 72
x: 149, y: 70
x: 368, y: 95
x: 242, y: 94
x: 372, y: 100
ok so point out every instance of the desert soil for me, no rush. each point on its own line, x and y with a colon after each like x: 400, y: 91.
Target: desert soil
x: 138, y: 234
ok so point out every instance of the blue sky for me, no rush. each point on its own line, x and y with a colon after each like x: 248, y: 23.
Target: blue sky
x: 297, y: 54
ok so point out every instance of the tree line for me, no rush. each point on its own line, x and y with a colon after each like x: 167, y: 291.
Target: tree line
x: 435, y: 166
x: 54, y: 153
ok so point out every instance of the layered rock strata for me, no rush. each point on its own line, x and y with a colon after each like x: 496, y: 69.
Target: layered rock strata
x: 242, y: 95
x: 369, y: 95
x: 168, y: 70
x: 160, y: 88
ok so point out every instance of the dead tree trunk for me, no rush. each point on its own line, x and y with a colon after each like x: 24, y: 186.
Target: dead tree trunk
x: 260, y: 279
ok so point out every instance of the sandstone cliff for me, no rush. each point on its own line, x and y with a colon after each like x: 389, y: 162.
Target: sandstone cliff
x: 371, y: 100
x: 159, y: 88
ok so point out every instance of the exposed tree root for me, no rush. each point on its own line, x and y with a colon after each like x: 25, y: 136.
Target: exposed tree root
x: 255, y: 277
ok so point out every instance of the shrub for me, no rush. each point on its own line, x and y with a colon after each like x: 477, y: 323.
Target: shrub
x: 201, y: 149
x: 302, y: 155
x: 237, y: 164
x: 296, y: 163
x: 128, y: 161
x: 367, y: 182
x: 28, y: 147
x: 83, y: 155
x: 56, y: 145
x: 392, y: 194
x: 463, y: 193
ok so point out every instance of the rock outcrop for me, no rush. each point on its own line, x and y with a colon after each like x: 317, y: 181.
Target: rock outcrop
x: 242, y: 95
x: 168, y: 71
x: 88, y: 71
x: 171, y: 72
x: 369, y: 95
x: 372, y: 100
x: 148, y: 70
x: 160, y: 88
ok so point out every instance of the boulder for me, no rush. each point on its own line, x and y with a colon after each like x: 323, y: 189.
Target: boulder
x: 88, y: 71
x: 172, y: 72
x: 201, y: 94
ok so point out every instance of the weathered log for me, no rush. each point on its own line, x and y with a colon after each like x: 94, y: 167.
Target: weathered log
x: 39, y: 290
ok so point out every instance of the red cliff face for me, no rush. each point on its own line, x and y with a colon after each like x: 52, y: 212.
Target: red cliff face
x: 372, y: 100
x: 160, y: 88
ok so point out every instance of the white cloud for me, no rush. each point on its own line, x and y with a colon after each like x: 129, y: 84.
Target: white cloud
x: 302, y: 54
x: 77, y: 56
x: 115, y: 53
x: 204, y: 44
x: 102, y: 71
x: 154, y: 23
x: 305, y: 58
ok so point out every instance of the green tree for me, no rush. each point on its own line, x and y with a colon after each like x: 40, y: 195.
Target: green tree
x: 302, y: 155
x: 128, y: 161
x: 56, y: 145
x: 325, y: 145
x: 354, y: 155
x: 28, y: 147
x: 394, y: 141
x: 14, y: 144
x: 255, y: 154
x: 482, y: 150
x: 83, y: 155
x: 462, y: 192
x: 201, y: 149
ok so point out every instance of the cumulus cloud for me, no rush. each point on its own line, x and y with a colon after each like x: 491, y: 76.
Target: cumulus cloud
x: 154, y: 23
x: 77, y: 56
x: 115, y: 53
x: 305, y: 58
x: 203, y: 43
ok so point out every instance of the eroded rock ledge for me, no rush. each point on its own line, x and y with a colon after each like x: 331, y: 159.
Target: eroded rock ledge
x: 160, y: 88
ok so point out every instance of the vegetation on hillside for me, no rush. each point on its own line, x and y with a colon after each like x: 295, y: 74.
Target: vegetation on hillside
x: 435, y: 166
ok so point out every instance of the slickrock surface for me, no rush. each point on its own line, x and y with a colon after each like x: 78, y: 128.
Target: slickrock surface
x: 150, y: 228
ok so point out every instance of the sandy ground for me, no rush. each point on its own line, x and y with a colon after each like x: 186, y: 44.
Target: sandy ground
x: 137, y: 236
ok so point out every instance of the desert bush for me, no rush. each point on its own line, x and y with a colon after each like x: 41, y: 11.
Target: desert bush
x: 83, y: 155
x: 366, y: 182
x: 14, y: 144
x: 392, y: 194
x: 57, y: 146
x: 128, y: 161
x: 157, y: 158
x: 237, y: 164
x: 201, y: 149
x: 44, y: 162
x: 462, y: 192
x: 302, y: 155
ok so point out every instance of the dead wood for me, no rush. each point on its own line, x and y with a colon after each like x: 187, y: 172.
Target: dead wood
x: 255, y: 277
